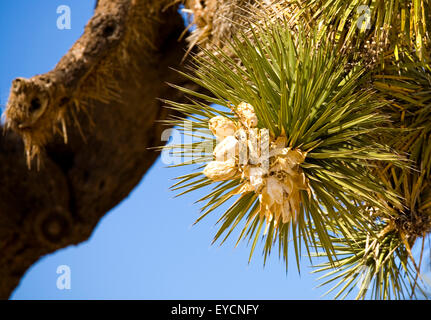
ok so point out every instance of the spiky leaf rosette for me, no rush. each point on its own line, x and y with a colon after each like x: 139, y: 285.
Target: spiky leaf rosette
x: 374, y: 263
x: 382, y: 260
x: 372, y: 28
x: 311, y: 109
x: 406, y: 87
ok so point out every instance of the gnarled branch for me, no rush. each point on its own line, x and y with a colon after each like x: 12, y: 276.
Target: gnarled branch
x: 114, y: 73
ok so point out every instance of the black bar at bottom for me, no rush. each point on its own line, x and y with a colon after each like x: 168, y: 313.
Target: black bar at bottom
x: 212, y: 309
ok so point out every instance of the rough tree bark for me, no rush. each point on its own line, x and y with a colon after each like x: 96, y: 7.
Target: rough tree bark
x: 128, y: 43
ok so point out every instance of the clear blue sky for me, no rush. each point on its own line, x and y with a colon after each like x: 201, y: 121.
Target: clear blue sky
x: 145, y: 248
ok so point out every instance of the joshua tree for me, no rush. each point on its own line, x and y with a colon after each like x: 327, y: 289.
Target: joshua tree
x: 311, y: 117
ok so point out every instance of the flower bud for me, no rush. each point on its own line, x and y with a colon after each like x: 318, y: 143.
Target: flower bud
x: 256, y: 177
x: 222, y: 127
x: 247, y: 115
x: 220, y: 170
x: 227, y: 149
x: 274, y: 188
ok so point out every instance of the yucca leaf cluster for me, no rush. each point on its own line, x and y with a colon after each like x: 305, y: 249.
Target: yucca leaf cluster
x: 362, y: 123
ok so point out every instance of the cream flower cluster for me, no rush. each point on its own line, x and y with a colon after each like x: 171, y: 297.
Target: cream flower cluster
x: 264, y: 164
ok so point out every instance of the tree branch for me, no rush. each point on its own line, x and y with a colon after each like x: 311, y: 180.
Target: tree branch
x: 114, y: 73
